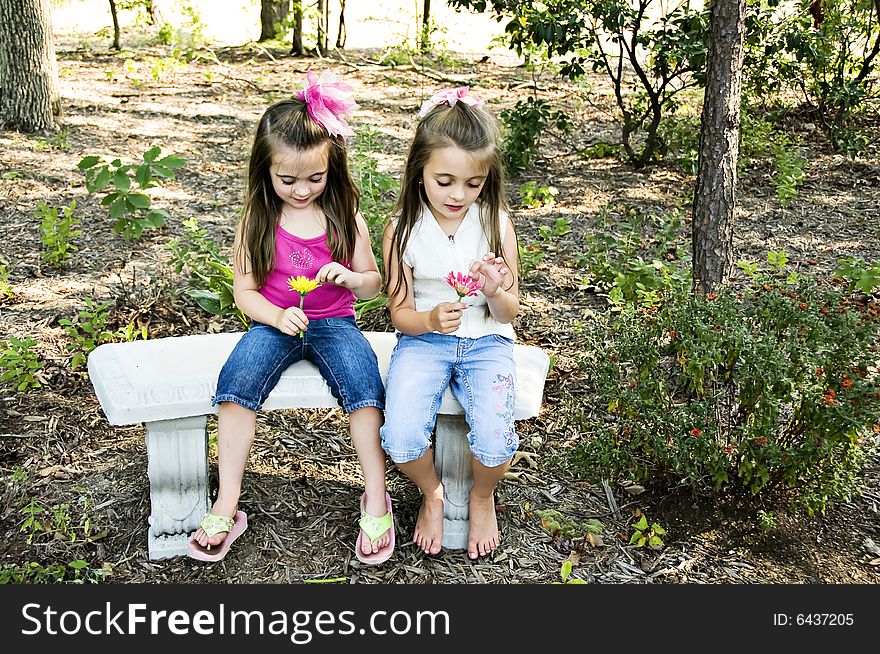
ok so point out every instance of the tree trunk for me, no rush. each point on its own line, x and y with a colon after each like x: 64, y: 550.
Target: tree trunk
x: 296, y: 45
x: 115, y: 15
x: 323, y: 11
x: 272, y: 14
x: 341, y: 35
x: 29, y: 98
x: 425, y: 41
x: 715, y: 192
x: 158, y: 10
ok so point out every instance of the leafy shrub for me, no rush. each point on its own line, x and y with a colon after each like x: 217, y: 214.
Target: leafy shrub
x: 129, y: 209
x: 31, y: 572
x: 859, y: 276
x: 630, y: 260
x: 788, y: 165
x: 377, y: 200
x: 88, y: 330
x: 20, y: 364
x: 210, y: 272
x: 770, y: 388
x: 57, y: 232
x: 6, y: 292
x: 534, y: 195
x: 524, y: 125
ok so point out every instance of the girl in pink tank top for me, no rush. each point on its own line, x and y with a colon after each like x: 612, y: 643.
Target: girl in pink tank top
x: 301, y: 222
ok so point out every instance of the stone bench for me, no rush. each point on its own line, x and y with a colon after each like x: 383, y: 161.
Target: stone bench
x: 167, y: 384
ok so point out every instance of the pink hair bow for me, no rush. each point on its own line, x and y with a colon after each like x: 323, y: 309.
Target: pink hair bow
x: 328, y: 100
x: 450, y: 97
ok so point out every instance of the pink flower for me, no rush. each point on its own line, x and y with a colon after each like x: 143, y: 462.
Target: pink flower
x: 328, y: 100
x: 450, y: 97
x: 464, y: 285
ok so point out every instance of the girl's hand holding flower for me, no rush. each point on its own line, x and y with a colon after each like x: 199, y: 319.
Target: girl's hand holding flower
x: 293, y: 316
x: 292, y: 321
x: 446, y: 317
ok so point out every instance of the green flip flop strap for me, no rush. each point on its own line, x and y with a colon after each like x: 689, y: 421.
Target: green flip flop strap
x: 374, y: 527
x: 214, y: 524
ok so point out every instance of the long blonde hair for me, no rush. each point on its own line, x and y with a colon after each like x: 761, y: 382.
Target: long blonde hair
x: 287, y: 123
x: 473, y: 130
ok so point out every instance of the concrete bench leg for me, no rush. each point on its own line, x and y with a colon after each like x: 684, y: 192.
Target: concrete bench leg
x: 452, y: 459
x: 177, y: 465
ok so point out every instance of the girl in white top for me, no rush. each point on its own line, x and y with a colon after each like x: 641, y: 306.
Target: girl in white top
x: 450, y: 220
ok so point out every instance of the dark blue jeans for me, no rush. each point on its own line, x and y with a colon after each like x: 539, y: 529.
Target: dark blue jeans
x: 335, y: 345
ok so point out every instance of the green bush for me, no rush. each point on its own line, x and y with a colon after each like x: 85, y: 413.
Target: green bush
x: 770, y: 388
x: 20, y: 365
x: 130, y: 209
x: 524, y: 125
x: 210, y: 272
x: 31, y: 572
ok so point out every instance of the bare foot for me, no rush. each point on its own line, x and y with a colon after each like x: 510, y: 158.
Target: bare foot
x: 376, y: 507
x: 429, y: 526
x: 483, y: 534
x: 220, y: 508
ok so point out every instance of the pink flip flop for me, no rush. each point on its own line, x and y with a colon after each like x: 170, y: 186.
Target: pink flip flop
x: 212, y: 524
x: 374, y: 527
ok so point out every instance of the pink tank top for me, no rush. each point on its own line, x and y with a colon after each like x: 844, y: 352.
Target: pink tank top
x: 305, y: 256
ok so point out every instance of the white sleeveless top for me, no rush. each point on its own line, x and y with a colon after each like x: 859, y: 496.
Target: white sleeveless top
x: 432, y: 256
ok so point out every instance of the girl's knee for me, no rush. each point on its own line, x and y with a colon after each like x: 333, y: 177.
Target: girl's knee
x: 403, y: 445
x: 495, y: 450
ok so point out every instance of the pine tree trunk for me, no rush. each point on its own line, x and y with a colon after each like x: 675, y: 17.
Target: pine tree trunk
x: 715, y: 192
x: 29, y: 97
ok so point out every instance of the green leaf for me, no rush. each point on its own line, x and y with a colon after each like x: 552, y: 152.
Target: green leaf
x: 657, y: 529
x: 566, y: 569
x: 142, y: 175
x: 88, y: 162
x: 117, y: 209
x: 642, y: 524
x: 151, y: 154
x: 209, y: 301
x: 121, y: 181
x: 139, y: 200
x: 101, y: 180
x: 172, y: 161
x: 155, y: 218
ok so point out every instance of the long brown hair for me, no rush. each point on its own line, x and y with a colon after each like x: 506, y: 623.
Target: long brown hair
x: 287, y: 123
x: 473, y: 130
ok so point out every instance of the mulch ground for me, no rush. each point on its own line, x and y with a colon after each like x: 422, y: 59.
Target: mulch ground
x: 302, y: 483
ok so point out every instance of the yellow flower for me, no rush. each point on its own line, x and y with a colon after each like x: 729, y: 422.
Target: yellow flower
x: 302, y: 285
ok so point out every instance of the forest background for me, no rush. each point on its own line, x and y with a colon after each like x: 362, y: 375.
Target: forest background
x: 724, y: 434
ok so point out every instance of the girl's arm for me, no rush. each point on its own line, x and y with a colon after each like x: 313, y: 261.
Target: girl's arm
x: 444, y: 318
x: 248, y: 298
x: 363, y: 279
x: 500, y: 286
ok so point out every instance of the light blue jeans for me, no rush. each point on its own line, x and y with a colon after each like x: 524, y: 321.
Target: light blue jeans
x: 482, y: 377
